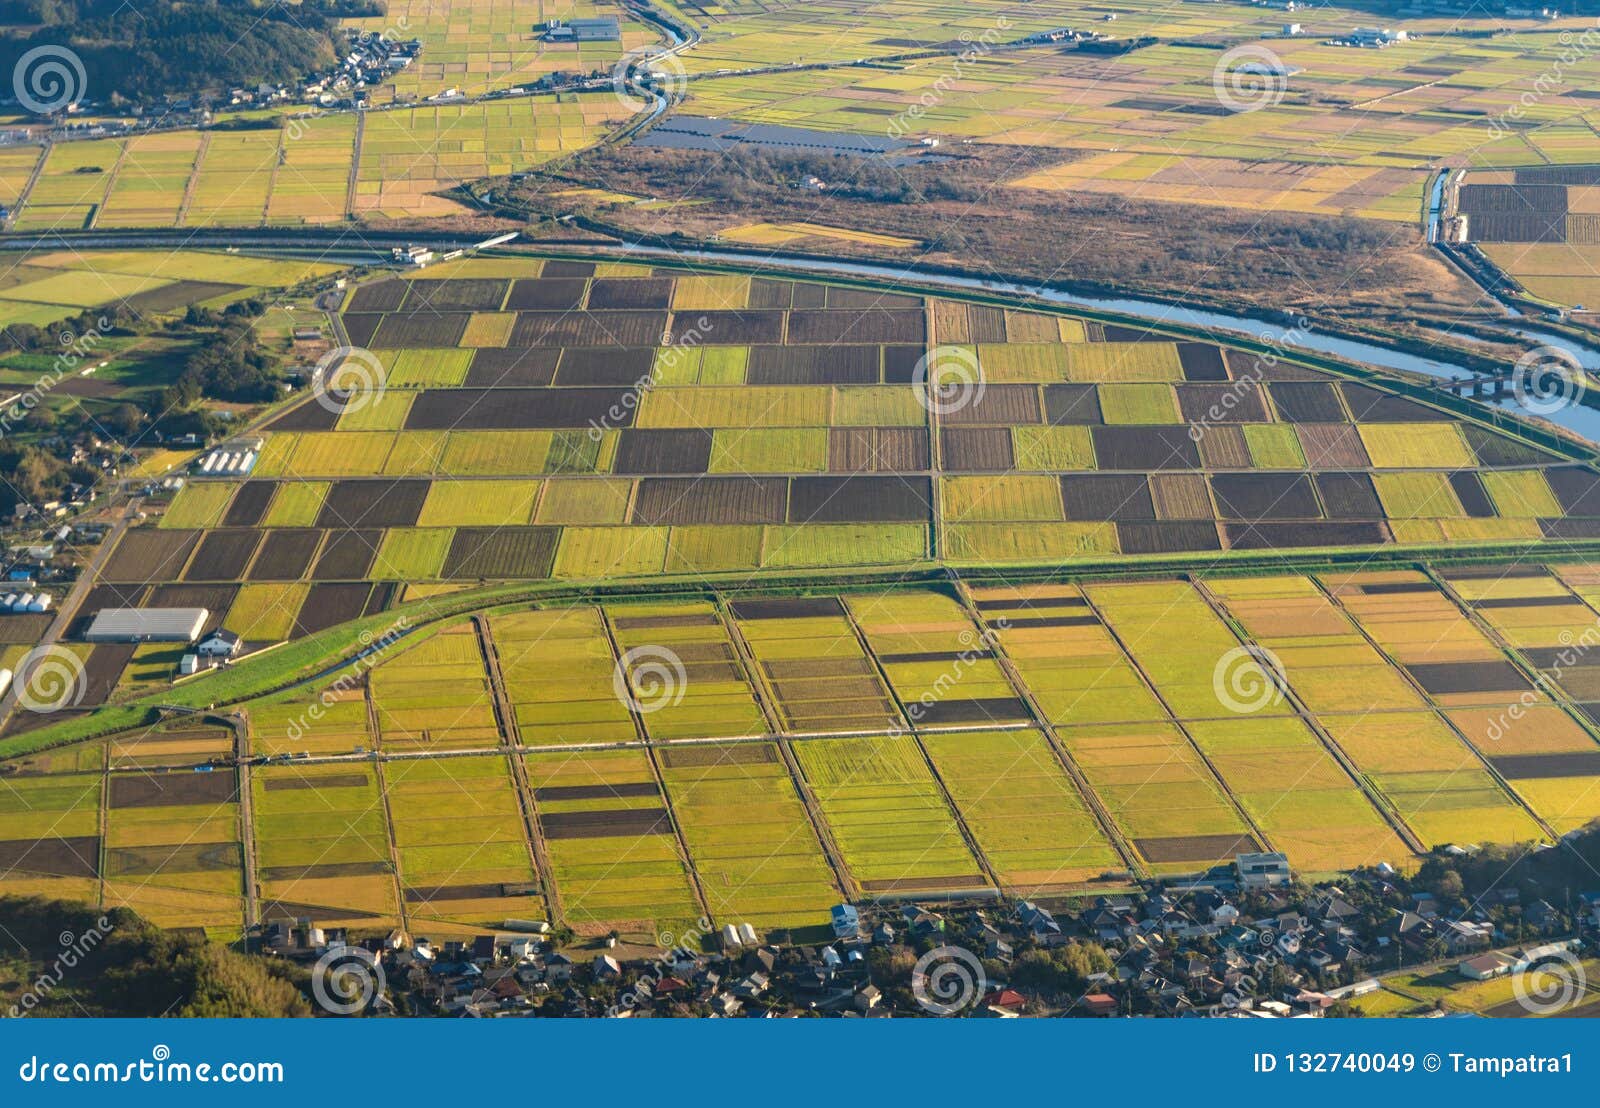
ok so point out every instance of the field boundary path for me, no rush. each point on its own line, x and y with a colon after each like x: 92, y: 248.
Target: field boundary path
x: 103, y: 821
x: 1091, y: 799
x: 33, y: 179
x: 192, y: 184
x: 1390, y: 813
x: 808, y: 799
x: 511, y: 745
x: 687, y: 859
x: 1172, y: 717
x: 355, y: 166
x: 1416, y: 686
x: 111, y: 183
x: 381, y: 776
x: 911, y: 729
x: 272, y: 178
x: 240, y: 724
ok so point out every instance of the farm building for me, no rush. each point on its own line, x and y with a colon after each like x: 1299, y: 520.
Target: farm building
x: 1484, y: 966
x: 147, y: 625
x: 221, y: 643
x: 603, y: 28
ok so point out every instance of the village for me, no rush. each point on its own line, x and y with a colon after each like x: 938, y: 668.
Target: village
x: 1245, y: 940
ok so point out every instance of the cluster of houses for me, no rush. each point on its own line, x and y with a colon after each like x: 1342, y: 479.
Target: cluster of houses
x: 371, y: 60
x: 43, y: 562
x: 1239, y: 946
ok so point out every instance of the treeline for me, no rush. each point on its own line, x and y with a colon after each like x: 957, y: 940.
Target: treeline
x: 222, y: 360
x: 1557, y: 874
x: 122, y: 965
x: 140, y: 52
x: 751, y: 174
x: 230, y: 364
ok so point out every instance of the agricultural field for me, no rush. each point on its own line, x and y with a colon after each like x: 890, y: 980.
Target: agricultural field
x: 1151, y: 124
x: 435, y: 695
x: 755, y: 759
x: 1376, y: 713
x: 322, y: 844
x: 50, y: 286
x: 1425, y: 990
x: 715, y: 596
x: 615, y: 421
x: 615, y: 856
x: 748, y: 835
x: 307, y: 170
x: 479, y: 46
x: 465, y: 858
x: 1541, y: 225
x: 895, y: 829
